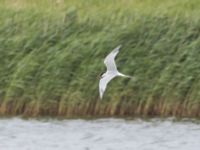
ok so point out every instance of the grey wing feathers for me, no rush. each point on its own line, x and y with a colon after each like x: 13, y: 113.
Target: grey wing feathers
x: 110, y: 59
x: 103, y: 84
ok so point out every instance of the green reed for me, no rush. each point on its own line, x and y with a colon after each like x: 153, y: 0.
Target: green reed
x: 52, y: 56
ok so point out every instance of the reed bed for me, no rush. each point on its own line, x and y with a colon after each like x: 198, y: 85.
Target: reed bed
x: 51, y: 57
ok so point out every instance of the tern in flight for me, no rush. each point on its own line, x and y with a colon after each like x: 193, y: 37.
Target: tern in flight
x: 111, y: 72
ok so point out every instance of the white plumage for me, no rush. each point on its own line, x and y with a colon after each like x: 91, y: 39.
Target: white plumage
x: 111, y: 72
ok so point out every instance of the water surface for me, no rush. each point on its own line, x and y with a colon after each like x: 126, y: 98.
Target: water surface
x: 100, y: 134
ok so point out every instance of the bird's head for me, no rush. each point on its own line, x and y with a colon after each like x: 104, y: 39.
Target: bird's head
x: 102, y: 75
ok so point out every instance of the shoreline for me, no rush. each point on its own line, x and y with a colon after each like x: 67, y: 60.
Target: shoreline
x: 99, y: 110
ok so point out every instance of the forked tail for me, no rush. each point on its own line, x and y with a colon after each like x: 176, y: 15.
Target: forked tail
x: 123, y: 75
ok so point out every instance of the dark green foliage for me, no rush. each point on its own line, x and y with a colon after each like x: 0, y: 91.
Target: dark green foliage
x: 47, y: 60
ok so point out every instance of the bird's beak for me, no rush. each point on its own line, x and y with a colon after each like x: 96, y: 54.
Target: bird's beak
x: 100, y: 75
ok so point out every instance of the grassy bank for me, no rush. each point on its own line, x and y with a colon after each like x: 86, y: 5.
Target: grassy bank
x: 51, y: 57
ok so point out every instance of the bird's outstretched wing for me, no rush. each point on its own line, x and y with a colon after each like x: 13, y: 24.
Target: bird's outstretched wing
x: 103, y: 83
x: 110, y: 59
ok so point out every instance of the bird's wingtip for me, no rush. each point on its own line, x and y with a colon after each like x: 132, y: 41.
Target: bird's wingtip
x: 119, y: 46
x: 100, y: 97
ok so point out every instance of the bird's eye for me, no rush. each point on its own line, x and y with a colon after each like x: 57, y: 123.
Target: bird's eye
x: 101, y: 75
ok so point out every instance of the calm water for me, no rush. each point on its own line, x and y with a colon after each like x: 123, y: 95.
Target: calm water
x: 100, y: 134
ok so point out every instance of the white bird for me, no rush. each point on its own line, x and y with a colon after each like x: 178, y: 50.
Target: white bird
x: 111, y: 72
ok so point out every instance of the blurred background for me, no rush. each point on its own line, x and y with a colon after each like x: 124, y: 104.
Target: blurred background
x: 52, y: 51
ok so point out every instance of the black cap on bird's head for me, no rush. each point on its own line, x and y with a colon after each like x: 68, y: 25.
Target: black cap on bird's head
x: 102, y: 75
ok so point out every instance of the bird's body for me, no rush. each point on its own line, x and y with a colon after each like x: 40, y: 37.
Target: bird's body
x: 111, y: 72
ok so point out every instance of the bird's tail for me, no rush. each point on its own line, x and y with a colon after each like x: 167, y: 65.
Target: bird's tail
x: 123, y: 75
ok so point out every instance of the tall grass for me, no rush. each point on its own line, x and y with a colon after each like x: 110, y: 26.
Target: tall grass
x: 51, y: 56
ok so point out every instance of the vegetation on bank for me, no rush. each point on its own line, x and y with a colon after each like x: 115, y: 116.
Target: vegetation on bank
x: 51, y: 57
